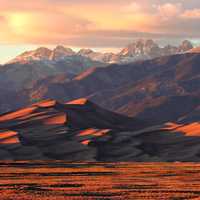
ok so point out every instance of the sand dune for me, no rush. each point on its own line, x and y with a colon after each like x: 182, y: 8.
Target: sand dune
x: 81, y: 101
x: 82, y: 131
x: 9, y: 137
x: 192, y: 129
x: 19, y: 113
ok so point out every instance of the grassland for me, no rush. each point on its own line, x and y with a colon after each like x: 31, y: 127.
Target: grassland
x: 110, y: 181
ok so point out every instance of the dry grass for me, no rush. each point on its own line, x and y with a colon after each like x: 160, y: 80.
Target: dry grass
x: 59, y: 180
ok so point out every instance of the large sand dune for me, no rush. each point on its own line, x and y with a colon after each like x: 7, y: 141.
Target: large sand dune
x: 81, y: 131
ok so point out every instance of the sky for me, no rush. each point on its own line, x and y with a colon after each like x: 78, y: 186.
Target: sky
x: 102, y: 24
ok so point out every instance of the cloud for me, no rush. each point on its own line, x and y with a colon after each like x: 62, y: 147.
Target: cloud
x: 191, y: 14
x: 94, y: 22
x: 2, y: 18
x: 169, y: 10
x: 3, y: 21
x: 132, y: 7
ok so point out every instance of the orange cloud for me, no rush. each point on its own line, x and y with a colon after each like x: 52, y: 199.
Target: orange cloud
x: 191, y: 14
x: 169, y: 10
x: 63, y: 21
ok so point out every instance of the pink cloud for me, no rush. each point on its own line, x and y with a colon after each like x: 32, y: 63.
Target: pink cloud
x: 192, y: 14
x: 2, y: 19
x: 169, y: 10
x: 90, y: 21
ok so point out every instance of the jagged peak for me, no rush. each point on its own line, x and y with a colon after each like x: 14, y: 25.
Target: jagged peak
x: 186, y: 45
x: 41, y: 49
x: 85, y: 51
x: 139, y: 47
x: 187, y: 42
x: 62, y: 48
x: 143, y: 41
x: 61, y: 52
x: 37, y: 50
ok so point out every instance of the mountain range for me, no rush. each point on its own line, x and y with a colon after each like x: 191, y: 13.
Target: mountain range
x: 161, y: 90
x: 146, y: 109
x: 138, y: 50
x: 23, y: 74
x: 26, y: 69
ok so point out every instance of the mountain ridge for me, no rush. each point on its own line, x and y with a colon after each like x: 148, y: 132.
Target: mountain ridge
x: 140, y: 49
x: 142, y: 84
x: 169, y: 85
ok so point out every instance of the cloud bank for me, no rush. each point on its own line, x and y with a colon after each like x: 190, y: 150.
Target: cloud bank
x: 96, y: 23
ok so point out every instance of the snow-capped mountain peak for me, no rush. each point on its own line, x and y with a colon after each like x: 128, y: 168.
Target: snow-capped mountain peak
x: 41, y: 53
x: 84, y: 52
x: 186, y: 45
x: 61, y: 52
x: 141, y: 49
x: 44, y: 54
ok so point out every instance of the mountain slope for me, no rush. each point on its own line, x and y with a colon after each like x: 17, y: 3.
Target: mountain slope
x: 137, y: 89
x: 82, y: 131
x: 26, y: 69
x: 168, y: 85
x: 22, y: 75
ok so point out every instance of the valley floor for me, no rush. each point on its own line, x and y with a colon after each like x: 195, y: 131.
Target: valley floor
x: 61, y: 180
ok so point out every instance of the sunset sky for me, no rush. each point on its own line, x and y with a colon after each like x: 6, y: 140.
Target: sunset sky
x: 26, y: 24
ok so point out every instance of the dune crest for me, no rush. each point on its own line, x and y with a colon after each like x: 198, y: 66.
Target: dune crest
x: 81, y: 101
x: 80, y: 130
x: 9, y: 137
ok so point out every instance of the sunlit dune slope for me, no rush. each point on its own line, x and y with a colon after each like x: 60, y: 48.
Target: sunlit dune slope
x: 192, y: 129
x: 50, y: 130
x: 82, y: 131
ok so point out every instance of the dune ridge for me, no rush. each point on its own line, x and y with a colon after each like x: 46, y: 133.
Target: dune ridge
x: 80, y: 130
